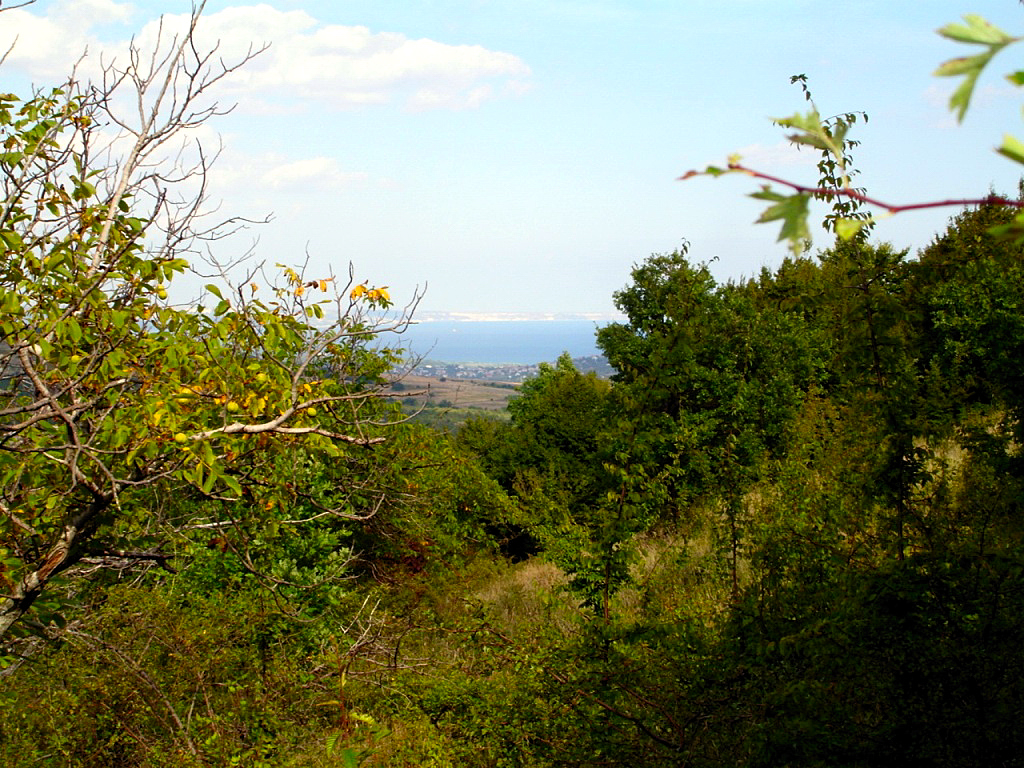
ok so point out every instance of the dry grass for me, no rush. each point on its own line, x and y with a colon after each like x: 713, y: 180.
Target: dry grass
x: 528, y: 595
x: 674, y: 576
x: 527, y: 603
x: 461, y: 393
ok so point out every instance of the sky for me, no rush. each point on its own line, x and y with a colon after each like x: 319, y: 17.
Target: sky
x: 519, y: 157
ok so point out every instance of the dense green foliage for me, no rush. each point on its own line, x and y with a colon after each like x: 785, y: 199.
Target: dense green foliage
x: 787, y: 532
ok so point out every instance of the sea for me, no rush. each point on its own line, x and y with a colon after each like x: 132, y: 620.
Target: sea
x: 523, y: 342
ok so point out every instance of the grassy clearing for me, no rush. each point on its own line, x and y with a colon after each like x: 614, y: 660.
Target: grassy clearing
x: 674, y: 575
x: 457, y: 393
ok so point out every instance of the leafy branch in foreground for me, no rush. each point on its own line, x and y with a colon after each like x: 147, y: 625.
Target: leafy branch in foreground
x: 830, y: 137
x: 787, y: 205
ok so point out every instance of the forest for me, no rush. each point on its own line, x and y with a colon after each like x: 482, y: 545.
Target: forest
x: 786, y: 532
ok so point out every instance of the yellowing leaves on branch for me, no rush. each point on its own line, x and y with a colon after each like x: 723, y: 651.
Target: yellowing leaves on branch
x: 375, y: 296
x: 104, y: 394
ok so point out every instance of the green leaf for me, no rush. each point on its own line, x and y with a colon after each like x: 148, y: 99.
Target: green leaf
x: 1012, y: 148
x: 11, y: 239
x: 809, y: 140
x: 74, y: 330
x: 711, y: 170
x: 962, y: 65
x: 214, y: 290
x: 767, y: 193
x: 971, y: 68
x: 977, y: 30
x: 1017, y: 78
x: 792, y: 210
x: 207, y: 454
x: 846, y: 229
x: 809, y: 122
x: 233, y: 485
x: 1013, y: 232
x: 211, y: 479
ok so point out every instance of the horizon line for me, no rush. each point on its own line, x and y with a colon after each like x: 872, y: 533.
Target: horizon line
x: 446, y: 316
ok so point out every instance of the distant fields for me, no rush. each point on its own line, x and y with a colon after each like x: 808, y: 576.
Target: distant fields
x: 418, y: 391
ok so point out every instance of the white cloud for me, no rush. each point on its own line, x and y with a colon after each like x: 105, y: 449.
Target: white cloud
x: 48, y: 47
x: 783, y: 154
x: 313, y: 172
x: 349, y: 66
x: 272, y: 172
x: 308, y: 65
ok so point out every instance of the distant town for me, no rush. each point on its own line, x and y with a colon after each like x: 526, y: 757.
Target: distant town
x: 504, y: 372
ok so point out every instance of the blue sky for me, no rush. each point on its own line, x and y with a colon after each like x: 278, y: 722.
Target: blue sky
x: 519, y: 156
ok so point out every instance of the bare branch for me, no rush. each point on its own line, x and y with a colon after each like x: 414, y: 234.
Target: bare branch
x: 854, y: 194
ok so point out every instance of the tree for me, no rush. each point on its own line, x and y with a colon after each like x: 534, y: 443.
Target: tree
x: 709, y: 377
x: 107, y: 391
x: 556, y: 420
x: 549, y: 454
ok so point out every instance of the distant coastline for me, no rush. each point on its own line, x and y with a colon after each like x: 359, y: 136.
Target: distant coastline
x: 515, y: 317
x: 498, y: 341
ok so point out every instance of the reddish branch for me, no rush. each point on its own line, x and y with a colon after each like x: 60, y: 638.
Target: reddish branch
x: 855, y: 195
